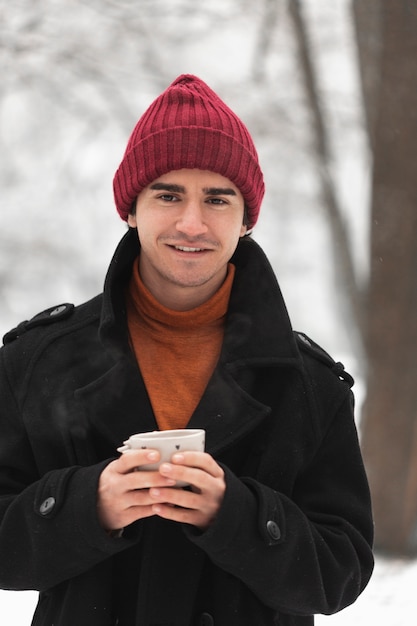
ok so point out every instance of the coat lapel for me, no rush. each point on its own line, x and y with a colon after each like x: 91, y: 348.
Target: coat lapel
x: 226, y: 412
x: 115, y: 406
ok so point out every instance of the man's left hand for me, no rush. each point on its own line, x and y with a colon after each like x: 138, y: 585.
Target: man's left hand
x: 199, y: 504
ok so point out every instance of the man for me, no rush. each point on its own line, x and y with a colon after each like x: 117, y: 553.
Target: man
x: 191, y: 331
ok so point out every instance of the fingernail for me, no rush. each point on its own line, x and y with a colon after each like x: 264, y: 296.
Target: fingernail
x: 178, y: 458
x: 166, y: 468
x: 152, y: 456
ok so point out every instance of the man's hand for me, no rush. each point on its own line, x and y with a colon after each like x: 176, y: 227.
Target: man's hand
x: 123, y: 493
x: 126, y: 495
x: 199, y: 505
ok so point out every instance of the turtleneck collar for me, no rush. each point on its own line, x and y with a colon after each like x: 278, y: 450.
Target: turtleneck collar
x: 156, y: 317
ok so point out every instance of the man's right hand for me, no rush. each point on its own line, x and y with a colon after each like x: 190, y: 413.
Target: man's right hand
x: 123, y: 492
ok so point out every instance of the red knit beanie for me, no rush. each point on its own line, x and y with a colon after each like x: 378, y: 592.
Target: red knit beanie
x: 189, y: 126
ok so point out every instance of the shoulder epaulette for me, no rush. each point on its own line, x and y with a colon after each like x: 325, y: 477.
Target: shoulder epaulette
x: 308, y: 345
x: 49, y: 316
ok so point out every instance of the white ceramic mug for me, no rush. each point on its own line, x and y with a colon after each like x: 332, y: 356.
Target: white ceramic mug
x: 167, y: 442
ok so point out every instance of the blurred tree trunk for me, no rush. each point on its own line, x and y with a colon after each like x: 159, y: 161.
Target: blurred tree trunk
x: 353, y: 306
x: 388, y: 53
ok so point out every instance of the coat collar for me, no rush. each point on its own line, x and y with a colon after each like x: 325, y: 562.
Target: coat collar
x: 113, y: 330
x: 257, y: 325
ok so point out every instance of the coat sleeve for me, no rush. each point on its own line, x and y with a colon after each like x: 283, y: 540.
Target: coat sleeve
x: 304, y: 553
x: 49, y: 531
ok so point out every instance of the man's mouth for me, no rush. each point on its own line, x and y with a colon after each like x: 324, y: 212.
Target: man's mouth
x: 188, y: 249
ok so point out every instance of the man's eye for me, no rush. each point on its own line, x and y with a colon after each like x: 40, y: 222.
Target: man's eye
x: 168, y: 197
x: 218, y: 201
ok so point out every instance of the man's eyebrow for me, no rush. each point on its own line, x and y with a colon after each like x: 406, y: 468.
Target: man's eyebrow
x: 209, y: 191
x: 219, y: 191
x: 168, y: 187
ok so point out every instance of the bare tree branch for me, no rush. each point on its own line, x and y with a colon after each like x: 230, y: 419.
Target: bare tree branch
x: 265, y: 38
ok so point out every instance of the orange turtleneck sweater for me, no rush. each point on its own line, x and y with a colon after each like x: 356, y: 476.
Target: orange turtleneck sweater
x: 177, y: 351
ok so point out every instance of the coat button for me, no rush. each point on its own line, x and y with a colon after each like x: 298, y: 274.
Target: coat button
x: 58, y: 310
x: 206, y: 620
x: 47, y: 506
x: 273, y: 530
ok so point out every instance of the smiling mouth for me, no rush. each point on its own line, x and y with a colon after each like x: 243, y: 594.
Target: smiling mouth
x: 188, y: 249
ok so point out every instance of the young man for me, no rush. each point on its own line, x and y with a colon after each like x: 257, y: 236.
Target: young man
x: 191, y: 331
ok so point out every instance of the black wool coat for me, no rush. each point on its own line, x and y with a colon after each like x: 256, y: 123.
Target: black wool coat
x: 293, y: 536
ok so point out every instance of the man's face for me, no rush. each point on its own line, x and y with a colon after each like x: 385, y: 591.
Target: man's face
x: 189, y: 222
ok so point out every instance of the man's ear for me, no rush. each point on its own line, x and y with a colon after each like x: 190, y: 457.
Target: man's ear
x: 131, y: 220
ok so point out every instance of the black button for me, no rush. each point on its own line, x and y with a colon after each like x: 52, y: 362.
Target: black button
x: 47, y: 506
x: 206, y: 620
x: 273, y: 530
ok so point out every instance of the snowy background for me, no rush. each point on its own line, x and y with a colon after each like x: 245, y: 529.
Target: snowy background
x: 57, y: 239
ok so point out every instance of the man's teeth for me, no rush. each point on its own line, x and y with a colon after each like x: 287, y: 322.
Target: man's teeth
x: 186, y: 249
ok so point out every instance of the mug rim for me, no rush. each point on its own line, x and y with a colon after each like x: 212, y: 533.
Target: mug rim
x: 166, y: 434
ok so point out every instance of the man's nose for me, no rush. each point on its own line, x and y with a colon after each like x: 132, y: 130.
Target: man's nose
x: 191, y: 220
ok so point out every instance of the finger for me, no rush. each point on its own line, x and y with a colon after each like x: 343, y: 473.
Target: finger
x: 176, y: 514
x: 175, y: 497
x: 201, y: 476
x: 182, y: 515
x: 141, y: 479
x: 128, y: 516
x: 188, y: 475
x: 201, y: 460
x: 131, y: 459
